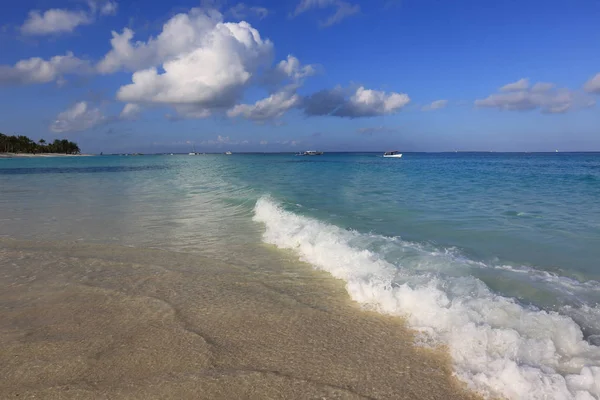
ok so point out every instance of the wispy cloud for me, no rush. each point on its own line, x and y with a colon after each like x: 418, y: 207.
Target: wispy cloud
x: 266, y: 109
x: 593, y: 85
x: 519, y: 96
x: 521, y: 84
x: 79, y: 117
x: 243, y: 11
x: 343, y: 10
x: 436, y: 105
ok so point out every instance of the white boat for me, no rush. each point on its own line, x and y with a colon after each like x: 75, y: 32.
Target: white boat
x: 311, y: 153
x: 228, y: 153
x: 194, y: 152
x: 392, y: 154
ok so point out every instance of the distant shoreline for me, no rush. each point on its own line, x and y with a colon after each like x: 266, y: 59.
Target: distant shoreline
x: 41, y: 155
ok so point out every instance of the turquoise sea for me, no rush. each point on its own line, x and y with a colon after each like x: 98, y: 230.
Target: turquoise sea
x: 495, y: 255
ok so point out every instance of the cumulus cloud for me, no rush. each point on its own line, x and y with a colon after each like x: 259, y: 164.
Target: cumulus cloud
x: 290, y: 72
x: 542, y: 96
x: 79, y: 117
x: 593, y: 85
x: 56, y: 21
x: 130, y: 111
x: 269, y: 108
x: 38, y: 70
x: 206, y: 63
x: 343, y: 10
x: 361, y: 103
x: 436, y: 105
x: 180, y: 35
x: 521, y: 84
x: 243, y: 11
x: 292, y: 68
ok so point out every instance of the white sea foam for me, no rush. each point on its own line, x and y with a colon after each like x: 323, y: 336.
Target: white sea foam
x: 498, y: 346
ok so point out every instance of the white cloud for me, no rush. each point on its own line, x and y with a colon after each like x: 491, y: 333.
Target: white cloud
x: 242, y: 11
x: 219, y: 141
x: 521, y: 84
x: 593, y: 85
x: 542, y: 96
x: 543, y: 87
x: 373, y: 102
x: 109, y: 8
x: 269, y: 108
x: 54, y: 21
x: 130, y: 111
x: 206, y: 63
x: 79, y: 117
x: 436, y: 105
x: 223, y: 139
x: 180, y: 35
x: 362, y: 103
x: 38, y: 70
x: 343, y: 9
x: 292, y: 68
x: 264, y: 142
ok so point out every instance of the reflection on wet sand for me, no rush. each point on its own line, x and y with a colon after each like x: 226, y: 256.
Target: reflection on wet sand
x: 84, y: 321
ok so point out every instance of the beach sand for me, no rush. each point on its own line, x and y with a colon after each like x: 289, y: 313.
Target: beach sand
x: 41, y: 155
x: 87, y: 321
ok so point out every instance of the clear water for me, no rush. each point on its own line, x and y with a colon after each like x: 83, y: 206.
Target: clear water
x: 495, y: 255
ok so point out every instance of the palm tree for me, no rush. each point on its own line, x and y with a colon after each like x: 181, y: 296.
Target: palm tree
x: 22, y: 144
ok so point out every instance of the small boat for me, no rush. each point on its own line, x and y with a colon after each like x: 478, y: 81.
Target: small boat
x: 392, y: 154
x: 193, y: 153
x: 311, y: 153
x: 228, y: 153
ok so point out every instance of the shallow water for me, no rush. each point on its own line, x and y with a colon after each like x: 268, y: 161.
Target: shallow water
x: 494, y: 255
x: 97, y: 321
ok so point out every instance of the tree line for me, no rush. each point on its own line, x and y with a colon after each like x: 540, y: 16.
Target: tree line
x: 23, y: 144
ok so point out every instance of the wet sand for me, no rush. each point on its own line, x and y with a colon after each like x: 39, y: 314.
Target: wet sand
x: 83, y: 321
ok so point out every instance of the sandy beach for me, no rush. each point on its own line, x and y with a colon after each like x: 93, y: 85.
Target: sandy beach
x: 86, y: 321
x: 41, y: 155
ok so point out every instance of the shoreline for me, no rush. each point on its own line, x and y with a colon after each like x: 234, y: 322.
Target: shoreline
x: 92, y: 321
x: 41, y: 155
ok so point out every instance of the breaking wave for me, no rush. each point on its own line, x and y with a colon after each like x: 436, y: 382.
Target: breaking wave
x: 499, y: 346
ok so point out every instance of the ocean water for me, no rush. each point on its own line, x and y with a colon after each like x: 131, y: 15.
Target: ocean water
x: 496, y: 256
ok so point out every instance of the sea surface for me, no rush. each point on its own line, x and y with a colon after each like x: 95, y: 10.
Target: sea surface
x: 496, y: 256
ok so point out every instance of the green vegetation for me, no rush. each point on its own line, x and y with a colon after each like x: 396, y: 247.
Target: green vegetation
x: 22, y: 144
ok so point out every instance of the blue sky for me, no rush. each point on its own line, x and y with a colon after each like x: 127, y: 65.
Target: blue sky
x: 265, y: 75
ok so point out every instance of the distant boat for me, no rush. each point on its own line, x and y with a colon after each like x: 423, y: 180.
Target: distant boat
x: 193, y: 153
x: 556, y: 151
x: 228, y: 153
x: 392, y: 154
x: 310, y: 153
